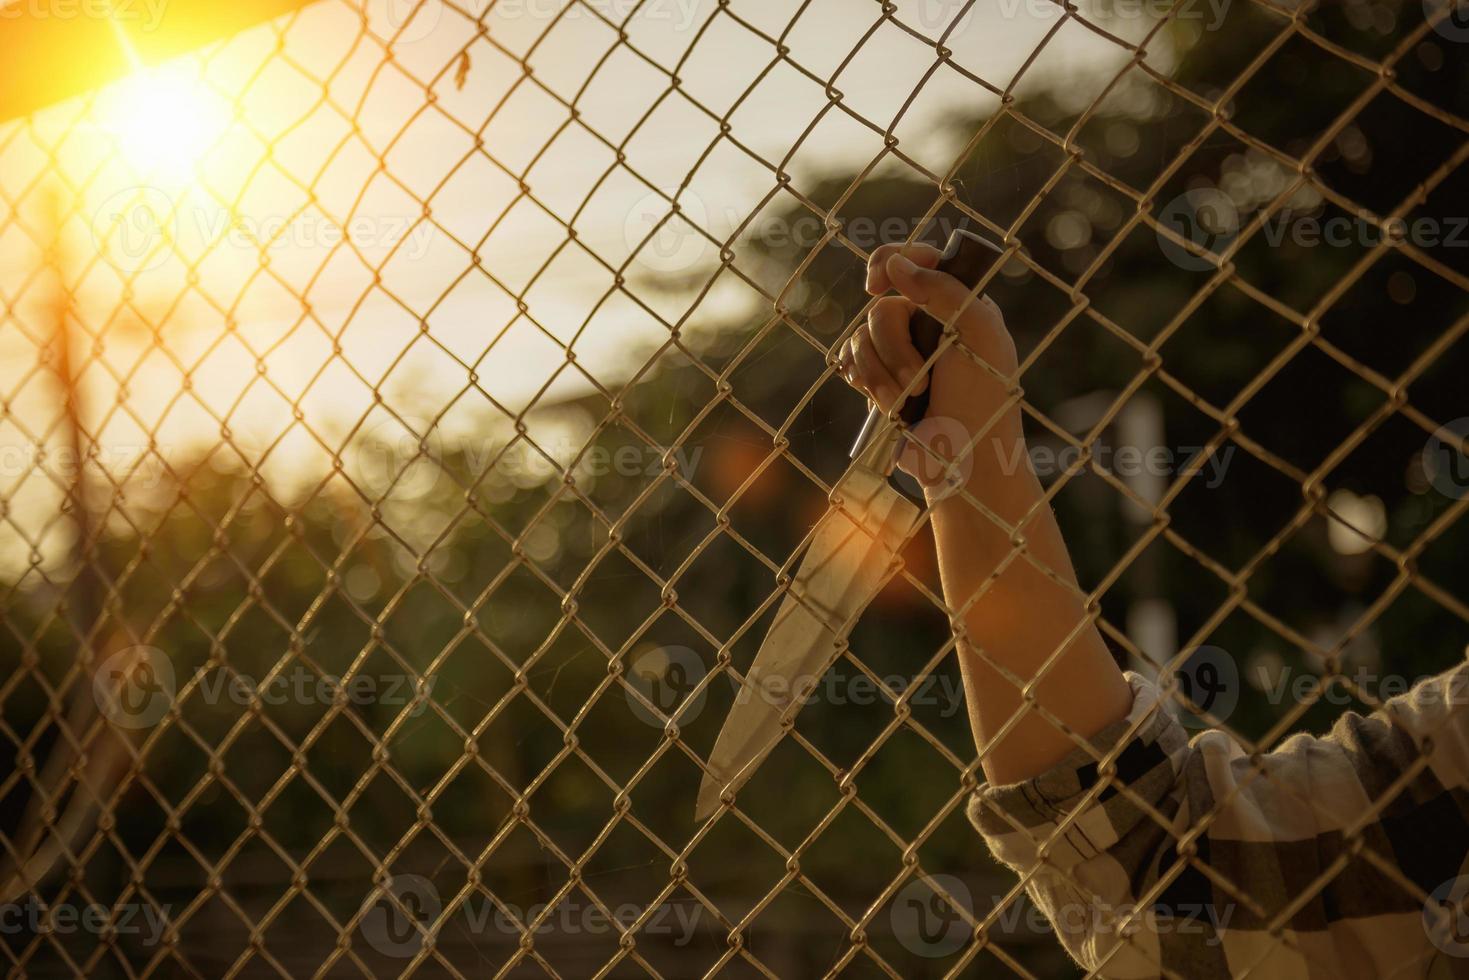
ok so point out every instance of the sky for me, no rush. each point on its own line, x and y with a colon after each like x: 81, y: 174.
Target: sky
x: 252, y: 216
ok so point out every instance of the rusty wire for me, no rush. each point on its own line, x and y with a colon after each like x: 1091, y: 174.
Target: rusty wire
x: 75, y: 793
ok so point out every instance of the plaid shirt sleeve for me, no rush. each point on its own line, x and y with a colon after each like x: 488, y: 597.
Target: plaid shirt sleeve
x: 1279, y: 884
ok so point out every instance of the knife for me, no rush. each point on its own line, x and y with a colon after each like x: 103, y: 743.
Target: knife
x: 852, y: 550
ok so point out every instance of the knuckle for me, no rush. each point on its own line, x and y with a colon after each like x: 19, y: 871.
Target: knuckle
x: 924, y: 254
x: 868, y: 362
x: 888, y: 307
x: 889, y: 316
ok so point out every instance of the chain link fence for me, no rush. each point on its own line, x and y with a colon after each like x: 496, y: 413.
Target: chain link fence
x: 411, y: 410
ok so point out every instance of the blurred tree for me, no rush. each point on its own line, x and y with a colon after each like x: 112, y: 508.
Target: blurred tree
x: 530, y: 607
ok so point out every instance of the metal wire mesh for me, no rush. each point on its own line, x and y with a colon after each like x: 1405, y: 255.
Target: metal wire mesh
x: 392, y: 495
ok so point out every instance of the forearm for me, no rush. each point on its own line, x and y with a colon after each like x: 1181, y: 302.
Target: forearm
x: 1018, y: 616
x: 1011, y: 612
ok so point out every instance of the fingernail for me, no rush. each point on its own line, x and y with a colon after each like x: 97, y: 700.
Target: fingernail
x: 871, y: 275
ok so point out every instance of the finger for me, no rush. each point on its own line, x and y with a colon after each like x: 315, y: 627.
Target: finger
x: 844, y: 360
x: 939, y: 293
x: 870, y: 373
x: 877, y: 275
x: 888, y: 327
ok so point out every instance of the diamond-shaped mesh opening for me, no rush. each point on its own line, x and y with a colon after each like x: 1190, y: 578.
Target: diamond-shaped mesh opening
x: 412, y: 414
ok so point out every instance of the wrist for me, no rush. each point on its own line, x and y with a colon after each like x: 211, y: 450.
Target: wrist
x: 996, y: 472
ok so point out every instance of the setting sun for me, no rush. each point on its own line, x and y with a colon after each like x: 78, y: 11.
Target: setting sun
x: 162, y: 120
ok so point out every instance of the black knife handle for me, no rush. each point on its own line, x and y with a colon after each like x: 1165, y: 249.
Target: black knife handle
x: 968, y: 258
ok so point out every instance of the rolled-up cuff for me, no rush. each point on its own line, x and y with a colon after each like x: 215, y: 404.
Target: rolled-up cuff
x: 1018, y: 819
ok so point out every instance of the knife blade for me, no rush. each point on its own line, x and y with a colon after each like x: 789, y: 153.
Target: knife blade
x: 852, y: 550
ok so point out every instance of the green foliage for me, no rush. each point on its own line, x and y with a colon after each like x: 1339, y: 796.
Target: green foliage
x: 521, y: 606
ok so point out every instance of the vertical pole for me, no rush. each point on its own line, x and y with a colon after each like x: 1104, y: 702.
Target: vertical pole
x: 81, y: 600
x: 1152, y: 624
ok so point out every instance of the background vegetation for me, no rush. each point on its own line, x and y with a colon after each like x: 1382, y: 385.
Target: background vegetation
x: 465, y: 575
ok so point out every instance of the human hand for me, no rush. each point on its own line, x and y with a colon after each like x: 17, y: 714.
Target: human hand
x: 969, y: 389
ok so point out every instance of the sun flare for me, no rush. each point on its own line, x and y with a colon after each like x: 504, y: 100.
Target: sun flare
x: 163, y: 121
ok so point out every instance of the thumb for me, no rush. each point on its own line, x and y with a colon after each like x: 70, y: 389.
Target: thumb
x: 943, y: 296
